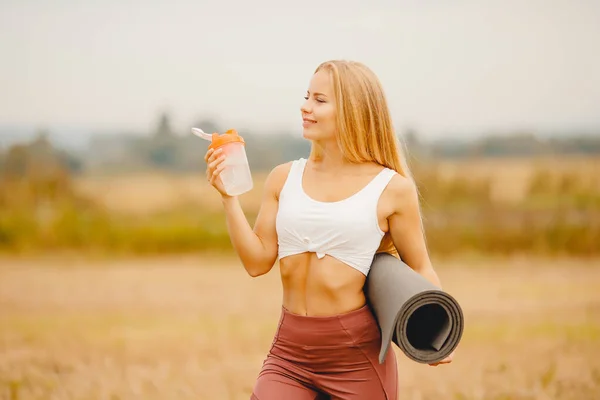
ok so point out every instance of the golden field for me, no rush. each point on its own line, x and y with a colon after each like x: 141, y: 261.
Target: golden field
x: 546, y: 207
x: 509, y: 179
x: 124, y: 286
x: 197, y: 327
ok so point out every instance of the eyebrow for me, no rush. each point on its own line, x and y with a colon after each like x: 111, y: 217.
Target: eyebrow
x: 316, y: 93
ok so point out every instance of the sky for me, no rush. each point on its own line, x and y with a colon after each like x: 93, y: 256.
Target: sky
x: 453, y: 67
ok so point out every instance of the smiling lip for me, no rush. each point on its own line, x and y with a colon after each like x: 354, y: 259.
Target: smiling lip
x: 307, y: 122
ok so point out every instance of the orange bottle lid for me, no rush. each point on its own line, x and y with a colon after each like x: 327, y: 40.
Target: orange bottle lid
x: 231, y: 136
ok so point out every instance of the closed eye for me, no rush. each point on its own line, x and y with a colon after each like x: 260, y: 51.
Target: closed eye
x: 318, y: 100
x: 318, y: 96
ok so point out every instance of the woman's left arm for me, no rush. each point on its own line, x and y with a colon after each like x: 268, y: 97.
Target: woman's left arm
x: 406, y: 228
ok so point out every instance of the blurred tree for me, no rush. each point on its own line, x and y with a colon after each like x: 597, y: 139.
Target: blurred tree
x: 34, y: 173
x: 16, y: 162
x: 164, y: 126
x: 162, y: 148
x: 163, y: 155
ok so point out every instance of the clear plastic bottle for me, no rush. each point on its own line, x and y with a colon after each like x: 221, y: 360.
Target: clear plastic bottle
x: 236, y: 175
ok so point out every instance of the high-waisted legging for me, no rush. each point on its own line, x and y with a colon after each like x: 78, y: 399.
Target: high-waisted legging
x: 333, y: 357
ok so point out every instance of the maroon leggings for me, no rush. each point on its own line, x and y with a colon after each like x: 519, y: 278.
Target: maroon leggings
x: 332, y: 357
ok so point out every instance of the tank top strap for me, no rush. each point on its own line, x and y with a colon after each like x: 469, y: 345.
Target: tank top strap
x: 293, y: 182
x: 297, y: 171
x: 380, y: 182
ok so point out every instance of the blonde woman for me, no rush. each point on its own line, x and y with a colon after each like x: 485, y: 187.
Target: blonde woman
x: 325, y: 218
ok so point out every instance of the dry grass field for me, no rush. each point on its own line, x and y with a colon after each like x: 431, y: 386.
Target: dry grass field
x: 80, y: 326
x: 197, y: 327
x: 143, y: 194
x: 147, y: 193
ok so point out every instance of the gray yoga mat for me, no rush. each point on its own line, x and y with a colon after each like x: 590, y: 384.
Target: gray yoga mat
x: 425, y: 322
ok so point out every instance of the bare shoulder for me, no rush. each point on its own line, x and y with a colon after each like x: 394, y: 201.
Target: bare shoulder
x: 402, y: 193
x: 277, y: 177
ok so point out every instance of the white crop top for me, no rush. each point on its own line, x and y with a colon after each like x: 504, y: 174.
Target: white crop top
x: 347, y: 230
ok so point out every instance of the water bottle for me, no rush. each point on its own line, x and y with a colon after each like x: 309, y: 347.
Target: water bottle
x: 236, y: 176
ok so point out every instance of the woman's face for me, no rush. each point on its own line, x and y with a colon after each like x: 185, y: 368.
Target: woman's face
x: 318, y: 111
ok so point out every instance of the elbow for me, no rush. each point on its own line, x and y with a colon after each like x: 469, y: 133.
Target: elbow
x: 259, y: 264
x: 258, y: 269
x: 255, y: 273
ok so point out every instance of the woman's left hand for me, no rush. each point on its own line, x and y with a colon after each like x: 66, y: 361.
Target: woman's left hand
x: 446, y: 360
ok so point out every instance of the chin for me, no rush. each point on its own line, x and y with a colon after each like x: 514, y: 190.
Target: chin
x: 308, y: 134
x: 315, y: 134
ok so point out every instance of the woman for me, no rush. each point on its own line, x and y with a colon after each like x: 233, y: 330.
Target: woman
x: 325, y: 218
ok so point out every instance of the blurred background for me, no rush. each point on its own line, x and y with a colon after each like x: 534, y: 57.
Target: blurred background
x: 117, y: 276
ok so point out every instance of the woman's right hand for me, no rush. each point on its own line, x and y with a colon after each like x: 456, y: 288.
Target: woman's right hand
x: 214, y: 165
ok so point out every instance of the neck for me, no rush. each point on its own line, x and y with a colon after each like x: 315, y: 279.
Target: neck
x: 331, y: 156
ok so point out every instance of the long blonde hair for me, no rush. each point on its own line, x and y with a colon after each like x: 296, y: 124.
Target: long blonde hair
x: 365, y: 132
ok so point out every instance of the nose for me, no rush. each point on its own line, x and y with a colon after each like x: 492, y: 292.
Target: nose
x: 306, y: 108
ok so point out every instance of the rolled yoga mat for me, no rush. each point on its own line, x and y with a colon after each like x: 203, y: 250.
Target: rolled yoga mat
x: 425, y: 322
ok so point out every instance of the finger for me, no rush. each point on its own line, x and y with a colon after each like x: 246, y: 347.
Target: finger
x: 214, y: 155
x: 212, y: 166
x: 213, y: 179
x: 216, y: 163
x: 216, y: 173
x: 208, y: 153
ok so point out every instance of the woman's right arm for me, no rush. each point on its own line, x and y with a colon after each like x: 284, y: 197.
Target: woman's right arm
x: 256, y: 247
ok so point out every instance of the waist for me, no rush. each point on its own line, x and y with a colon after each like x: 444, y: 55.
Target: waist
x: 350, y: 328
